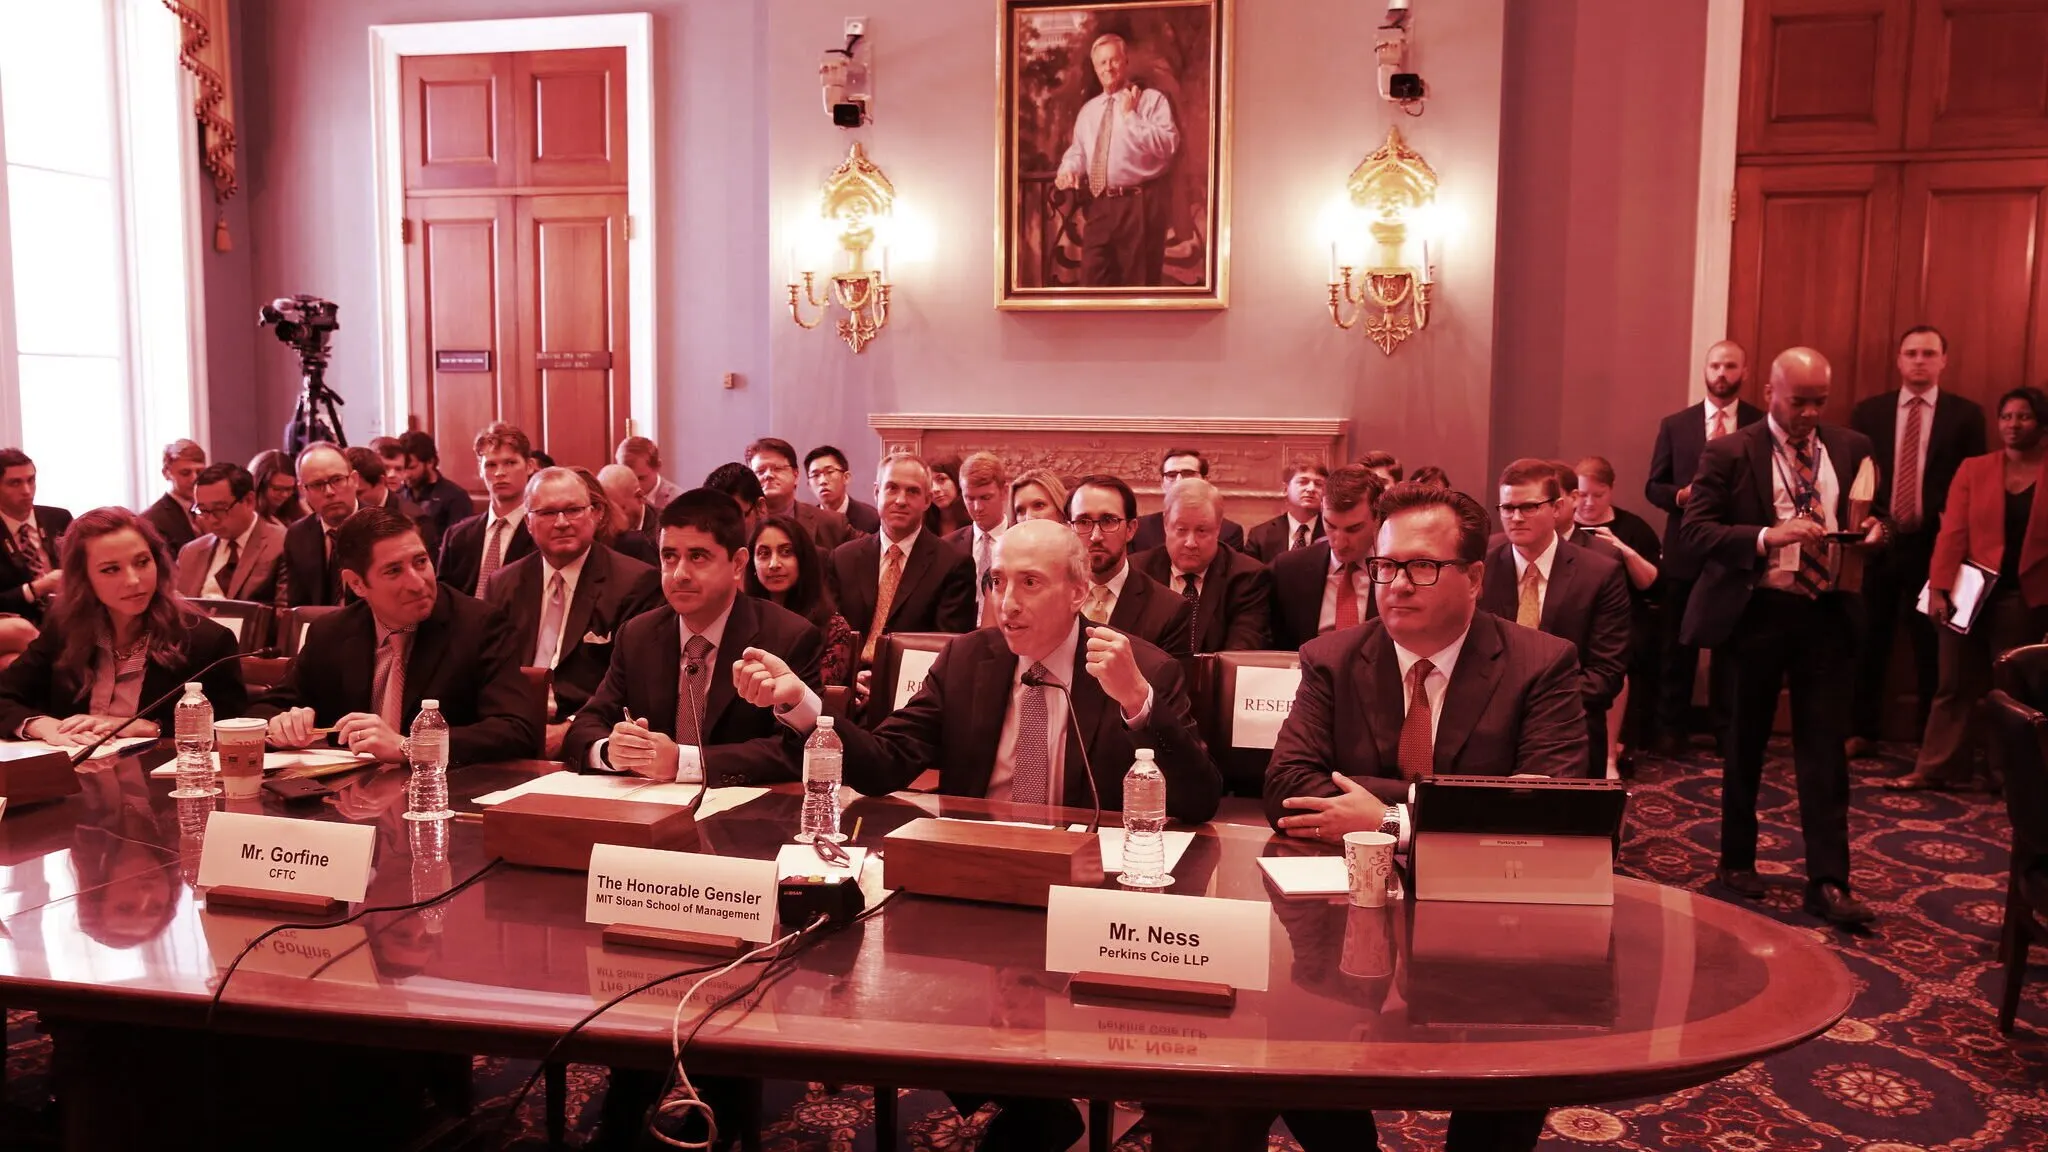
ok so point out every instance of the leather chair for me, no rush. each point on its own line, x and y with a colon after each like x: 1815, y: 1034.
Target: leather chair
x: 1215, y: 692
x: 293, y: 622
x: 262, y: 673
x: 2021, y: 734
x: 888, y: 667
x: 251, y: 622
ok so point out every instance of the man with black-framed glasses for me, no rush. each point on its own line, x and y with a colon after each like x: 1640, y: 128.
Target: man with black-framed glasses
x: 825, y: 468
x: 1103, y: 512
x: 312, y: 575
x: 241, y: 555
x: 1432, y: 687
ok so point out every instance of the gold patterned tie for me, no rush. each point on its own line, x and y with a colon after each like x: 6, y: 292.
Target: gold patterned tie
x: 1529, y: 613
x: 1098, y: 161
x: 885, y: 596
x: 1098, y: 604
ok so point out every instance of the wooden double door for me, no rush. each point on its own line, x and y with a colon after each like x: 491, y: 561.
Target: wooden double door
x: 1893, y: 171
x: 516, y: 231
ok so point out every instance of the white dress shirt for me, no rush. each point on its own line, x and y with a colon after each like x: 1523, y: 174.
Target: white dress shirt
x: 1142, y: 143
x: 1326, y: 618
x: 689, y: 757
x: 1733, y: 411
x: 571, y: 573
x: 1781, y: 569
x: 210, y: 588
x: 1929, y: 397
x: 1543, y: 561
x: 1060, y: 665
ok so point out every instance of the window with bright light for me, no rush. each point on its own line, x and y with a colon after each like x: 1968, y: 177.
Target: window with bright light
x: 97, y: 352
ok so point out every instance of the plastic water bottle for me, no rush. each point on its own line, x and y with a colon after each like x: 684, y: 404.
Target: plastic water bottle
x: 427, y: 792
x: 824, y: 761
x: 1145, y: 824
x: 194, y: 729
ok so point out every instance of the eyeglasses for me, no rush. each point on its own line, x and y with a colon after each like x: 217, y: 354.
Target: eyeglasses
x: 1181, y: 474
x: 1086, y: 526
x: 773, y: 470
x: 212, y: 509
x: 826, y: 473
x: 1422, y: 571
x: 569, y: 513
x: 1529, y: 509
x: 328, y: 485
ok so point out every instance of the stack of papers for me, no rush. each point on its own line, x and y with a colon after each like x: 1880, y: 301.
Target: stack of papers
x: 111, y: 748
x: 634, y: 788
x: 1307, y: 875
x: 299, y: 762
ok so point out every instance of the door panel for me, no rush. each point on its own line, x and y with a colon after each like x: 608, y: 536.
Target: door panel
x: 460, y: 268
x: 572, y: 117
x: 572, y: 321
x: 1812, y: 264
x: 458, y: 122
x: 1980, y: 75
x: 1971, y: 264
x: 1823, y: 75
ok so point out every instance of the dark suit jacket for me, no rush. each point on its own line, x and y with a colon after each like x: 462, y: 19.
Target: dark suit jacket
x: 1732, y: 501
x: 1237, y: 599
x: 1586, y: 603
x: 35, y: 686
x: 461, y: 656
x: 442, y: 505
x: 828, y: 529
x: 51, y: 524
x: 955, y: 723
x: 742, y: 744
x: 1673, y: 462
x: 1153, y: 614
x: 612, y: 590
x: 1151, y: 532
x: 935, y: 594
x: 863, y: 518
x: 171, y: 521
x: 635, y: 546
x: 309, y: 578
x: 462, y: 552
x: 1298, y: 579
x: 1268, y: 541
x: 1954, y: 435
x: 259, y: 570
x: 1513, y: 705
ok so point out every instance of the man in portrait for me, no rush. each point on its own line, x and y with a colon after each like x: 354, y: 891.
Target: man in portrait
x: 1125, y: 142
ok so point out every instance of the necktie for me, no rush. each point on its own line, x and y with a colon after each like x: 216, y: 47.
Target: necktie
x: 885, y: 597
x: 32, y: 551
x: 1529, y: 612
x: 691, y: 690
x: 1098, y: 161
x: 1300, y: 537
x: 1417, y: 751
x: 389, y: 689
x: 1720, y: 428
x: 332, y: 593
x: 1906, y: 491
x: 1193, y: 595
x: 1812, y: 578
x: 494, y: 556
x: 982, y: 556
x: 226, y: 576
x: 553, y: 609
x: 1347, y: 596
x: 1098, y: 607
x: 1032, y: 768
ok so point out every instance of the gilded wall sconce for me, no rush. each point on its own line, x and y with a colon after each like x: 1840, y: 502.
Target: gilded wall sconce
x: 1393, y: 194
x: 856, y: 203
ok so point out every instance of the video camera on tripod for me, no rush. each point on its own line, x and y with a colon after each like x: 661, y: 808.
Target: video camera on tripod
x: 306, y: 323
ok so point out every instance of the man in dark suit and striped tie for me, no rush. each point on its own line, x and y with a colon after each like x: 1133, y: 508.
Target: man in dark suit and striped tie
x: 1301, y: 524
x: 28, y: 539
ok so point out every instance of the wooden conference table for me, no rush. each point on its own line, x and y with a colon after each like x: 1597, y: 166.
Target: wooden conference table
x: 1428, y: 1005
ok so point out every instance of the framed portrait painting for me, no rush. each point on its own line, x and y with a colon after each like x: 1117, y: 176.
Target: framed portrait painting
x: 1113, y: 173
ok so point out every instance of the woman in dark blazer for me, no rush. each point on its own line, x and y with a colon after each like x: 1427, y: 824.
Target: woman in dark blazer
x: 117, y: 637
x: 1996, y: 518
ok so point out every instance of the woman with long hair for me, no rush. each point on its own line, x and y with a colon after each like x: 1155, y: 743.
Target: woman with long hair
x: 117, y: 637
x: 1997, y: 521
x: 785, y: 570
x: 1037, y: 494
x: 947, y: 513
x: 277, y: 487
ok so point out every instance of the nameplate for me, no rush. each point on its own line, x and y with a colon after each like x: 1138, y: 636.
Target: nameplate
x: 276, y: 854
x: 464, y: 360
x: 912, y: 666
x: 1149, y: 934
x: 571, y: 361
x: 1262, y: 701
x: 685, y: 891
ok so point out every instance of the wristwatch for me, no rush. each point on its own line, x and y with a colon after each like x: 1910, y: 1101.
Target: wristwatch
x: 1390, y: 822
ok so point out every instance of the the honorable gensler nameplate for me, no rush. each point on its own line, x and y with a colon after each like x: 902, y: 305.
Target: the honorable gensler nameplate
x: 681, y: 890
x: 276, y: 854
x: 1148, y: 934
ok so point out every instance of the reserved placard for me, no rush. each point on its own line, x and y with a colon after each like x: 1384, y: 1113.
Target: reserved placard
x: 1149, y: 934
x: 913, y: 665
x: 278, y: 854
x: 1260, y: 705
x: 681, y: 890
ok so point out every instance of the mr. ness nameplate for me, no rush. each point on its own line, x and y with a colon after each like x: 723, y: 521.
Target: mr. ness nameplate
x: 1169, y: 937
x: 684, y: 891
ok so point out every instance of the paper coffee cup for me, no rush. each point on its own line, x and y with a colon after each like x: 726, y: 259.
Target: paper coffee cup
x: 238, y: 741
x: 1368, y: 862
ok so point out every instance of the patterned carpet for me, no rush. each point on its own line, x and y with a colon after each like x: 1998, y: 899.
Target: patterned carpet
x: 1917, y: 1065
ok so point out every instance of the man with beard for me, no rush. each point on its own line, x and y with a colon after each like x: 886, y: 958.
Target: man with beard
x: 1104, y: 511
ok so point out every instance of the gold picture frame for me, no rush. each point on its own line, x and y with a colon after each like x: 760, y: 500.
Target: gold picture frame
x: 1113, y: 167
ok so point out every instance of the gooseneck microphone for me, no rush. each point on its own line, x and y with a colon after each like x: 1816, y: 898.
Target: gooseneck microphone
x: 80, y: 756
x: 691, y: 669
x: 1034, y: 680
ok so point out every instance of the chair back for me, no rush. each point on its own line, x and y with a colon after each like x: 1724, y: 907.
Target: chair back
x: 837, y: 697
x: 901, y: 661
x: 250, y: 621
x: 2020, y: 733
x: 262, y: 673
x: 540, y: 685
x: 293, y: 622
x: 1244, y: 697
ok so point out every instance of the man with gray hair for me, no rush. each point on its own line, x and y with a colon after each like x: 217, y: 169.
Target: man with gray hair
x: 1122, y: 155
x: 1229, y: 592
x: 903, y: 578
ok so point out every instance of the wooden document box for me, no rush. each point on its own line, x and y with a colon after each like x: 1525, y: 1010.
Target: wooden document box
x: 544, y: 831
x: 999, y: 863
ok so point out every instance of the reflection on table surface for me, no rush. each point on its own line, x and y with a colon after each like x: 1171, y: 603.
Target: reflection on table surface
x: 97, y: 894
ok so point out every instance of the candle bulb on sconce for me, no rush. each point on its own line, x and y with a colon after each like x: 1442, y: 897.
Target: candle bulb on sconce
x: 857, y: 199
x: 1395, y: 189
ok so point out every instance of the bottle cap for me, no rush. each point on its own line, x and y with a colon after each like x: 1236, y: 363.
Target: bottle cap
x: 433, y: 704
x: 1144, y: 754
x: 194, y: 687
x: 825, y: 722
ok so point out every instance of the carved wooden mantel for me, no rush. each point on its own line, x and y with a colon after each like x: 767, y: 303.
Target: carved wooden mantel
x: 1245, y: 454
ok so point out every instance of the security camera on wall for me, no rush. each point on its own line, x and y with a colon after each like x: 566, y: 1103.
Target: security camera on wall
x: 1398, y: 84
x: 845, y: 77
